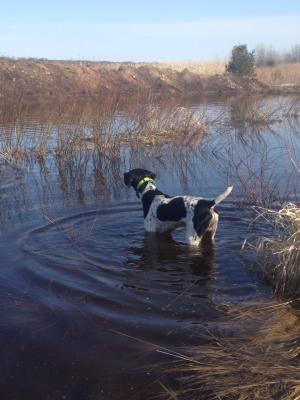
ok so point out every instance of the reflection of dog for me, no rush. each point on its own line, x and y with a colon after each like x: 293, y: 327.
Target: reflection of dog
x: 163, y: 213
x: 159, y: 251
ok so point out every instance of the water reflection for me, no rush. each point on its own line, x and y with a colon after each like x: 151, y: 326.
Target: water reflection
x: 160, y: 250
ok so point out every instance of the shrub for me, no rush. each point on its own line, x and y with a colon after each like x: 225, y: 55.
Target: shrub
x: 242, y: 61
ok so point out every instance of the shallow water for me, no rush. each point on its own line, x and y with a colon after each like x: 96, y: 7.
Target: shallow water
x: 86, y: 293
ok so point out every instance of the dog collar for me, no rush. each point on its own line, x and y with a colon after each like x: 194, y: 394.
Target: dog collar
x: 142, y: 181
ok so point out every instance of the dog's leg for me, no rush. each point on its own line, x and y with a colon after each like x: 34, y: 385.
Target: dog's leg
x: 150, y: 224
x: 192, y: 237
x: 207, y: 236
x: 213, y: 225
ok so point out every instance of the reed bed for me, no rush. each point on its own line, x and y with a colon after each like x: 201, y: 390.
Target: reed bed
x: 155, y: 126
x: 254, y: 113
x: 251, y: 355
x: 279, y: 256
x: 105, y: 133
x: 282, y: 74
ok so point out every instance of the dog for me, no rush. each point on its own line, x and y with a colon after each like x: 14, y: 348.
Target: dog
x: 163, y: 213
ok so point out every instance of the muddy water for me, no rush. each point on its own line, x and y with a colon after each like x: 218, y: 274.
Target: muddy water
x: 86, y: 294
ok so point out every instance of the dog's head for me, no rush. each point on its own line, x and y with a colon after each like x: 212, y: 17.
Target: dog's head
x: 136, y: 176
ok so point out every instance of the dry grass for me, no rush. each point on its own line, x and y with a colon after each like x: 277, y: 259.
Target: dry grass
x: 201, y: 68
x: 255, y: 113
x: 279, y: 257
x: 206, y: 68
x: 252, y: 355
x: 77, y: 134
x: 282, y: 74
x: 154, y: 126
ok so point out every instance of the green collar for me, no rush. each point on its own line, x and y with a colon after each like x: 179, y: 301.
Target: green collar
x: 142, y: 181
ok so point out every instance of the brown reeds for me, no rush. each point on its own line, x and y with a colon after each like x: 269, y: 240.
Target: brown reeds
x: 251, y: 355
x: 201, y: 67
x: 69, y: 135
x: 279, y: 256
x: 254, y: 113
x: 281, y: 74
x: 151, y: 125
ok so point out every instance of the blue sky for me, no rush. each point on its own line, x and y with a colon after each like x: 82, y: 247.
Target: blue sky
x: 154, y: 30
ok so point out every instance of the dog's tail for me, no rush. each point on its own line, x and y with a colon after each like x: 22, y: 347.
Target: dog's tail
x: 223, y: 196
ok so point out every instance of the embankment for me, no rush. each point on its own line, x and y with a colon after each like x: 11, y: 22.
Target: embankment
x: 43, y: 79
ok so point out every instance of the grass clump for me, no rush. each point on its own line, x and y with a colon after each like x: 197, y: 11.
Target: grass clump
x: 252, y: 355
x: 279, y: 256
x: 154, y: 126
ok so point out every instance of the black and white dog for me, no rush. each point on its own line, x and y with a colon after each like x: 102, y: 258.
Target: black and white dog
x: 163, y: 213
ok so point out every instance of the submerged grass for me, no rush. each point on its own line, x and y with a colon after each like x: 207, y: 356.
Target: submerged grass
x: 105, y: 133
x: 255, y: 114
x: 88, y: 148
x: 252, y: 355
x: 153, y: 126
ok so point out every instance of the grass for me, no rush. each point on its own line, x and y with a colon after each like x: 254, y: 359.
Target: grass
x: 201, y: 68
x: 151, y: 125
x: 251, y: 355
x: 282, y: 74
x: 206, y: 68
x: 255, y: 113
x: 279, y: 256
x: 75, y: 133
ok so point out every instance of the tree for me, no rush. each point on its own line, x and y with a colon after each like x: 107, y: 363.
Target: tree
x: 267, y: 56
x: 242, y: 61
x: 260, y: 55
x: 295, y: 53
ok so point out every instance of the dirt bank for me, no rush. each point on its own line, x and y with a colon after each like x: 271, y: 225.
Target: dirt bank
x: 40, y: 79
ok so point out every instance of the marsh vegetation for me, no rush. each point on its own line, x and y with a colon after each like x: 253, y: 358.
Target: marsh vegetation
x: 85, y: 292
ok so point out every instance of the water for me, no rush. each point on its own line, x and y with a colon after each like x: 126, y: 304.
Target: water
x: 86, y: 294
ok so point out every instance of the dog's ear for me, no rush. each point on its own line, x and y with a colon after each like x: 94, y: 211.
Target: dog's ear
x: 127, y: 179
x: 153, y: 175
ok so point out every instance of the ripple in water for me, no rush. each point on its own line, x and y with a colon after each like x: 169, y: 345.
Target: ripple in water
x: 105, y: 257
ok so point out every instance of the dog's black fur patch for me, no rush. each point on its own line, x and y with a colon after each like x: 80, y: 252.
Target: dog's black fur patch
x: 173, y: 211
x: 202, y: 216
x: 148, y: 198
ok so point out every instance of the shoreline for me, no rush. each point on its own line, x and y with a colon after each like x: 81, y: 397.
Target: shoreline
x: 36, y: 80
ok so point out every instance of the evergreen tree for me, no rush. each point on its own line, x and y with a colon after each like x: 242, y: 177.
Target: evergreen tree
x: 242, y: 61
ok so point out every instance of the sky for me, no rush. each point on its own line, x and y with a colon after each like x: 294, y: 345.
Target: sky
x: 152, y: 30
